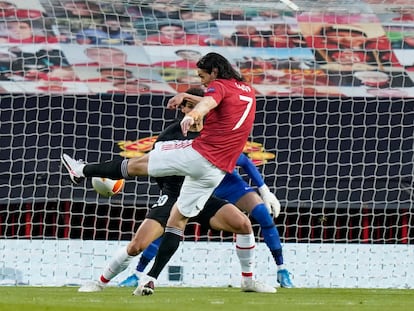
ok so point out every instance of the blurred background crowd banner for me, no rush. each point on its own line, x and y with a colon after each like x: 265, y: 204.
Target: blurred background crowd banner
x: 361, y: 48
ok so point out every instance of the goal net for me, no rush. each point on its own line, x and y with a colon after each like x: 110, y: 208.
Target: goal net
x: 333, y: 135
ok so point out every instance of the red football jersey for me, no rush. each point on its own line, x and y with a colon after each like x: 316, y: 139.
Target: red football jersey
x: 227, y: 127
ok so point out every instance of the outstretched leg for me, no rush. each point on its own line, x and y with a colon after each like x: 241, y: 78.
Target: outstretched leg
x: 115, y: 169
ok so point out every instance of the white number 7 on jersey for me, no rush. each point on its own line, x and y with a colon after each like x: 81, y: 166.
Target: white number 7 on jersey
x: 249, y: 102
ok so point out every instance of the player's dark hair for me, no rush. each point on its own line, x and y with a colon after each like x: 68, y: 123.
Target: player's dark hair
x: 225, y: 70
x: 193, y: 91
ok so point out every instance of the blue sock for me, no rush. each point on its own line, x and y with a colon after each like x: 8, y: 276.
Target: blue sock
x: 269, y: 231
x: 148, y: 254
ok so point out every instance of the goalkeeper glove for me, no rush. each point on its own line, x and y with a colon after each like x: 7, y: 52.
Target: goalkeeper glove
x: 270, y: 200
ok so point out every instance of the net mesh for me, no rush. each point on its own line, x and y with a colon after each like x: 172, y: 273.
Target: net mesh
x: 333, y: 135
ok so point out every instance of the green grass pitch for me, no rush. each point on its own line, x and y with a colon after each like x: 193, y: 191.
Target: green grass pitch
x: 22, y: 298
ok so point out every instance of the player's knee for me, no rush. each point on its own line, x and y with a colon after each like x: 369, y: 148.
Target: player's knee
x: 135, y: 247
x: 245, y: 226
x: 132, y: 250
x: 138, y: 166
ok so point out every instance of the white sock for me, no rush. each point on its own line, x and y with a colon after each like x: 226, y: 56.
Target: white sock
x: 245, y: 245
x: 118, y: 263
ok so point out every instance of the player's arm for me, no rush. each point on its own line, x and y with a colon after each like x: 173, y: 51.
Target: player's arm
x: 176, y: 101
x: 270, y: 200
x: 251, y: 170
x: 204, y: 105
x: 200, y: 110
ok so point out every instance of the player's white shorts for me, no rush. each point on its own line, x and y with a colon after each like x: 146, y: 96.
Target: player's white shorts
x: 178, y: 157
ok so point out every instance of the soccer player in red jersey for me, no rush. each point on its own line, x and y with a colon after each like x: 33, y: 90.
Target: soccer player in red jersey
x: 229, y: 107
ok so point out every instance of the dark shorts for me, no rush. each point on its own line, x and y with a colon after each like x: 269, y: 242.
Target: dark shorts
x: 160, y: 211
x: 213, y: 204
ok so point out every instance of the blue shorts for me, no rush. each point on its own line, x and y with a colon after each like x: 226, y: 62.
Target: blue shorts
x: 232, y: 188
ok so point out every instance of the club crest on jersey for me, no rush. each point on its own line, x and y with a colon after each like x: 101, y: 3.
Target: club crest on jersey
x: 210, y: 89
